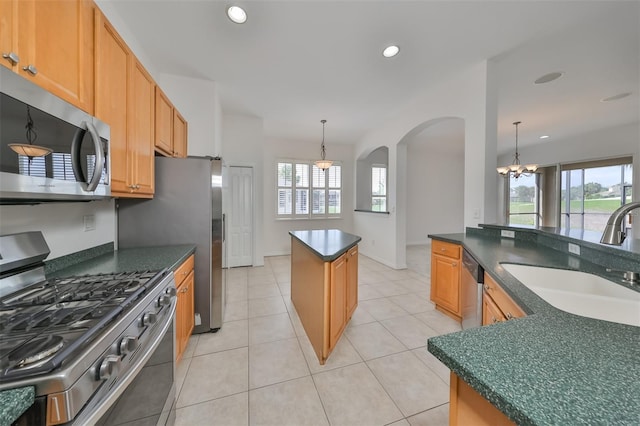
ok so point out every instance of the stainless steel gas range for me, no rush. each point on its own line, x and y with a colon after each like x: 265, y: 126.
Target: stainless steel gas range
x: 99, y: 349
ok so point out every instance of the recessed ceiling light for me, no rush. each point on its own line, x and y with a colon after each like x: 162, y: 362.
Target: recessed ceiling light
x: 549, y: 77
x: 237, y: 14
x: 390, y: 51
x: 544, y: 137
x: 616, y: 97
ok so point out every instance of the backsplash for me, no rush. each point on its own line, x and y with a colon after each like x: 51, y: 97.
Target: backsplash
x: 63, y: 224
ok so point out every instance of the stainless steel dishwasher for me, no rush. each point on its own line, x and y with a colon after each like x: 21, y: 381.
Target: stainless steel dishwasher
x: 471, y: 289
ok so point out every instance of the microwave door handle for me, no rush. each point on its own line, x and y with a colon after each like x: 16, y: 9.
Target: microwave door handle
x: 76, y: 143
x: 99, y: 164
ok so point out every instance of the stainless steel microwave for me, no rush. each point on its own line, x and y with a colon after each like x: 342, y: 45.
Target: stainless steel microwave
x: 49, y: 149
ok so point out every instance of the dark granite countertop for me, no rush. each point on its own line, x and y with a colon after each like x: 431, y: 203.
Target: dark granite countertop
x: 14, y: 402
x: 129, y: 260
x: 550, y: 367
x: 328, y: 244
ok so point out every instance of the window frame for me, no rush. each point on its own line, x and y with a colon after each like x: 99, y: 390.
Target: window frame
x: 384, y: 196
x: 310, y: 215
x: 537, y: 213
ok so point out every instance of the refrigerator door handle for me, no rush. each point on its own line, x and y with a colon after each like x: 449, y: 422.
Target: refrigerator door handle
x: 224, y: 227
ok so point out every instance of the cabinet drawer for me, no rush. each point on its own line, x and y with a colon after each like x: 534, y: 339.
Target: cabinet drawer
x: 183, y: 270
x: 445, y: 249
x: 509, y: 308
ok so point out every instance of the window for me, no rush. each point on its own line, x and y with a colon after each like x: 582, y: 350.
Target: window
x: 590, y: 192
x: 524, y: 200
x: 305, y: 191
x: 32, y: 167
x: 379, y: 188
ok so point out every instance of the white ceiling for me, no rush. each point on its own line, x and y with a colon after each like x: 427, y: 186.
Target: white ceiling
x: 296, y: 62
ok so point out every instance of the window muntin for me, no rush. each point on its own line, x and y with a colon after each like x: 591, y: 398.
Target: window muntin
x: 304, y: 191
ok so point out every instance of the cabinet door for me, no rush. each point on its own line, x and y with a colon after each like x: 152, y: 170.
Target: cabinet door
x: 509, y: 308
x: 164, y: 123
x: 181, y: 307
x: 445, y: 283
x: 8, y: 29
x: 491, y: 314
x: 141, y: 128
x: 55, y: 37
x: 189, y: 311
x: 113, y: 66
x: 337, y: 306
x: 352, y: 281
x: 179, y: 135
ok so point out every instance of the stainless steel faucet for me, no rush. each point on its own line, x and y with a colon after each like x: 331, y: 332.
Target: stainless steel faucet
x: 613, y: 233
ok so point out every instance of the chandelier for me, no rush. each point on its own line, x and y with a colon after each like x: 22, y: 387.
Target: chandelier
x: 516, y: 169
x: 322, y: 163
x: 30, y: 150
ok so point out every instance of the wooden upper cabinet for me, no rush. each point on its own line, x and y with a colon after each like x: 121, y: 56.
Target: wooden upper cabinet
x: 113, y: 59
x: 8, y: 36
x: 141, y: 129
x: 125, y: 99
x: 53, y: 44
x: 164, y: 123
x: 179, y: 135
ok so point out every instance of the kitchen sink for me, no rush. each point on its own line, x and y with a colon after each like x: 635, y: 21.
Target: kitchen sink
x: 580, y: 293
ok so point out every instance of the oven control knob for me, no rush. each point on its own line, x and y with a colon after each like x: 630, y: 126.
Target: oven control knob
x: 127, y: 344
x: 148, y: 318
x: 108, y: 367
x: 171, y: 291
x: 164, y: 300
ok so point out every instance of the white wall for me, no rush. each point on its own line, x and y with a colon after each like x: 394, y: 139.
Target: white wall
x: 604, y: 143
x: 276, y: 231
x: 470, y: 95
x: 435, y: 182
x: 198, y: 102
x: 243, y: 145
x: 62, y: 224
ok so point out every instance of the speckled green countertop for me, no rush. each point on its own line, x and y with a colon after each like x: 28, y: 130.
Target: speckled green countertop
x: 328, y: 244
x: 550, y: 367
x: 129, y: 260
x: 15, y: 401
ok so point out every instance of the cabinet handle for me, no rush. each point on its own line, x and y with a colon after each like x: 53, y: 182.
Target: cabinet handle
x: 454, y: 263
x: 486, y: 287
x: 443, y: 249
x: 509, y: 316
x: 30, y: 69
x: 11, y: 57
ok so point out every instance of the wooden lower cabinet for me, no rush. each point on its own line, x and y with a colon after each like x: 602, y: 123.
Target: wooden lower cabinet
x: 185, y: 310
x: 325, y: 295
x: 497, y: 306
x: 468, y: 407
x: 445, y: 277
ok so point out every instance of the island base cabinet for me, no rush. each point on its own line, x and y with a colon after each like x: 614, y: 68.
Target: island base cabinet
x: 468, y: 407
x: 323, y: 294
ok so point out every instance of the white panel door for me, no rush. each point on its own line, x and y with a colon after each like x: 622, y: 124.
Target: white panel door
x: 240, y: 220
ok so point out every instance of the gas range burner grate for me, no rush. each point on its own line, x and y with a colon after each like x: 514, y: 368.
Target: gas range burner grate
x: 77, y: 308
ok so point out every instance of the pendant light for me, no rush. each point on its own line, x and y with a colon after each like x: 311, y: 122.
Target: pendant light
x: 322, y: 163
x: 516, y: 169
x: 30, y: 150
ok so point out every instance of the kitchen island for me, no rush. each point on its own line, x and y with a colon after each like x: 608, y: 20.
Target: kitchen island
x: 550, y: 367
x: 324, y: 284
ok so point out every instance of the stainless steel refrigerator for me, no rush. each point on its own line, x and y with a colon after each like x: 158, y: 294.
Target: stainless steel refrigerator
x: 186, y: 209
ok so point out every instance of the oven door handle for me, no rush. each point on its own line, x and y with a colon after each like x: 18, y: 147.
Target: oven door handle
x: 76, y: 158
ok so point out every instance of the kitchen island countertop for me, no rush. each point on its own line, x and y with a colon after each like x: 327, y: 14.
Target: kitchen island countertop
x: 327, y: 244
x: 550, y: 367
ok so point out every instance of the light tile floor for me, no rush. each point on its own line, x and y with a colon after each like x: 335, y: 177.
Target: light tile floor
x: 260, y: 368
